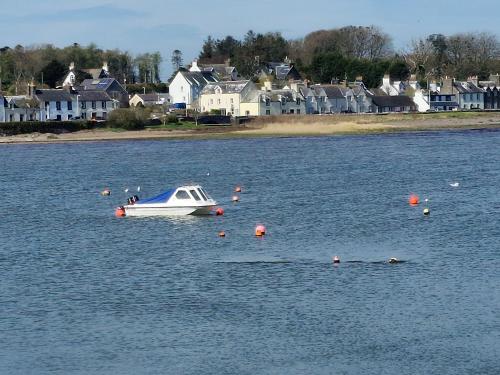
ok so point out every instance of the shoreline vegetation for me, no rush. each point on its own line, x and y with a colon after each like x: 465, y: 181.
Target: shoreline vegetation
x: 282, y: 126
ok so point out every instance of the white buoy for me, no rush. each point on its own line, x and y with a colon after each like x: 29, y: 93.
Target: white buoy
x: 138, y: 188
x: 455, y: 184
x: 126, y: 190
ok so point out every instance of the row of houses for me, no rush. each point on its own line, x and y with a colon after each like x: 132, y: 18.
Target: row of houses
x: 216, y: 87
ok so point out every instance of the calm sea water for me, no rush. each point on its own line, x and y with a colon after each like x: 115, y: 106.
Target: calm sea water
x: 83, y: 292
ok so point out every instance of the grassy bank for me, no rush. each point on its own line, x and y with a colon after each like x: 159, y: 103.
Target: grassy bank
x: 283, y: 126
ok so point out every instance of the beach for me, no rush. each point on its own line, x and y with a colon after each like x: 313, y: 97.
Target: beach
x: 286, y: 126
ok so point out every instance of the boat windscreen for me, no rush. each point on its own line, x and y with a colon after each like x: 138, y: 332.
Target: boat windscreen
x: 202, y: 194
x: 162, y: 198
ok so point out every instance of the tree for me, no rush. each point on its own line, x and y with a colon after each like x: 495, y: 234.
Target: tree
x: 176, y: 60
x: 53, y: 72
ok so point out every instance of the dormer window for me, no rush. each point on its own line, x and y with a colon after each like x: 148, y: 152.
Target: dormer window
x: 268, y: 102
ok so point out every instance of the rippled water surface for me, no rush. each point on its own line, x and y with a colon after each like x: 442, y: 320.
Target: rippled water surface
x: 83, y: 292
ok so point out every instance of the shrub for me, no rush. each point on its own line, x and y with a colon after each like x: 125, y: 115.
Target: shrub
x: 127, y: 118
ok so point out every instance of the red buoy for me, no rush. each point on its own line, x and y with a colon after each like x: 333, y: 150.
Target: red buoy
x: 260, y: 230
x: 120, y: 212
x: 413, y: 200
x: 219, y: 211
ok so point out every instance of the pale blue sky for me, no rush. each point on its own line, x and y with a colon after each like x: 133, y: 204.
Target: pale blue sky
x: 165, y: 25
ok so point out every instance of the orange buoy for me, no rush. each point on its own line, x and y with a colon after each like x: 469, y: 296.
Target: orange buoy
x: 413, y: 200
x: 219, y: 211
x: 237, y: 189
x: 235, y: 198
x: 260, y: 230
x: 336, y: 259
x: 106, y: 192
x: 222, y: 234
x: 120, y: 212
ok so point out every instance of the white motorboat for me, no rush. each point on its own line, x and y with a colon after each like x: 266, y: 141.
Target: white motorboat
x: 184, y: 200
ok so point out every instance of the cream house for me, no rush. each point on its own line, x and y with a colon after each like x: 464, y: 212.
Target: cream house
x: 225, y: 96
x: 273, y: 102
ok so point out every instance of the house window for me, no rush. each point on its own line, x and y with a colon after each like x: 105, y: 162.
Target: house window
x: 84, y: 115
x: 47, y: 104
x: 94, y: 105
x: 268, y: 111
x: 298, y: 111
x: 58, y: 106
x: 247, y: 113
x: 211, y: 101
x: 21, y: 117
x: 218, y: 101
x: 268, y: 102
x: 84, y: 105
x: 11, y: 117
x: 232, y: 100
x: 70, y: 106
x: 448, y: 98
x: 103, y: 104
x: 292, y: 111
x: 182, y: 88
x: 298, y: 101
x: 104, y: 115
x: 58, y: 118
x: 283, y: 111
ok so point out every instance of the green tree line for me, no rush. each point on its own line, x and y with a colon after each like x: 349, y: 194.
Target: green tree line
x: 353, y: 51
x: 47, y: 64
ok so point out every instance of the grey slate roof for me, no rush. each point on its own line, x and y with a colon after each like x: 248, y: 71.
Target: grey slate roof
x: 227, y: 87
x: 198, y: 78
x: 393, y: 101
x: 53, y: 95
x: 97, y: 84
x: 93, y: 96
x: 467, y: 87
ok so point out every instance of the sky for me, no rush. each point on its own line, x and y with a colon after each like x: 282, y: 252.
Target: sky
x: 166, y: 25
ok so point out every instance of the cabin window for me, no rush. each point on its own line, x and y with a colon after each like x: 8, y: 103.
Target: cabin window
x: 94, y: 105
x: 70, y: 106
x: 195, y: 195
x: 202, y: 194
x: 182, y: 194
x: 58, y: 106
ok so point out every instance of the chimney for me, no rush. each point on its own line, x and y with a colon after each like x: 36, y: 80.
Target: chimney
x: 474, y: 80
x: 71, y: 66
x: 495, y: 78
x: 194, y: 66
x: 31, y: 89
x: 268, y: 85
x: 105, y: 66
x: 227, y: 62
x: 447, y: 86
x: 386, y: 81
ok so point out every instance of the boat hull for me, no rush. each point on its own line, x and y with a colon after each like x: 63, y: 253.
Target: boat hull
x: 137, y: 210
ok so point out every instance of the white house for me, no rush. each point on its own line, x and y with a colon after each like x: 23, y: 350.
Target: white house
x: 3, y: 106
x: 94, y: 105
x: 225, y: 96
x: 470, y: 96
x: 394, y: 88
x: 20, y: 108
x: 186, y: 86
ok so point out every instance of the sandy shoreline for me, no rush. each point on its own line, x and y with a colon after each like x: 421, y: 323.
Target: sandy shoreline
x: 284, y: 126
